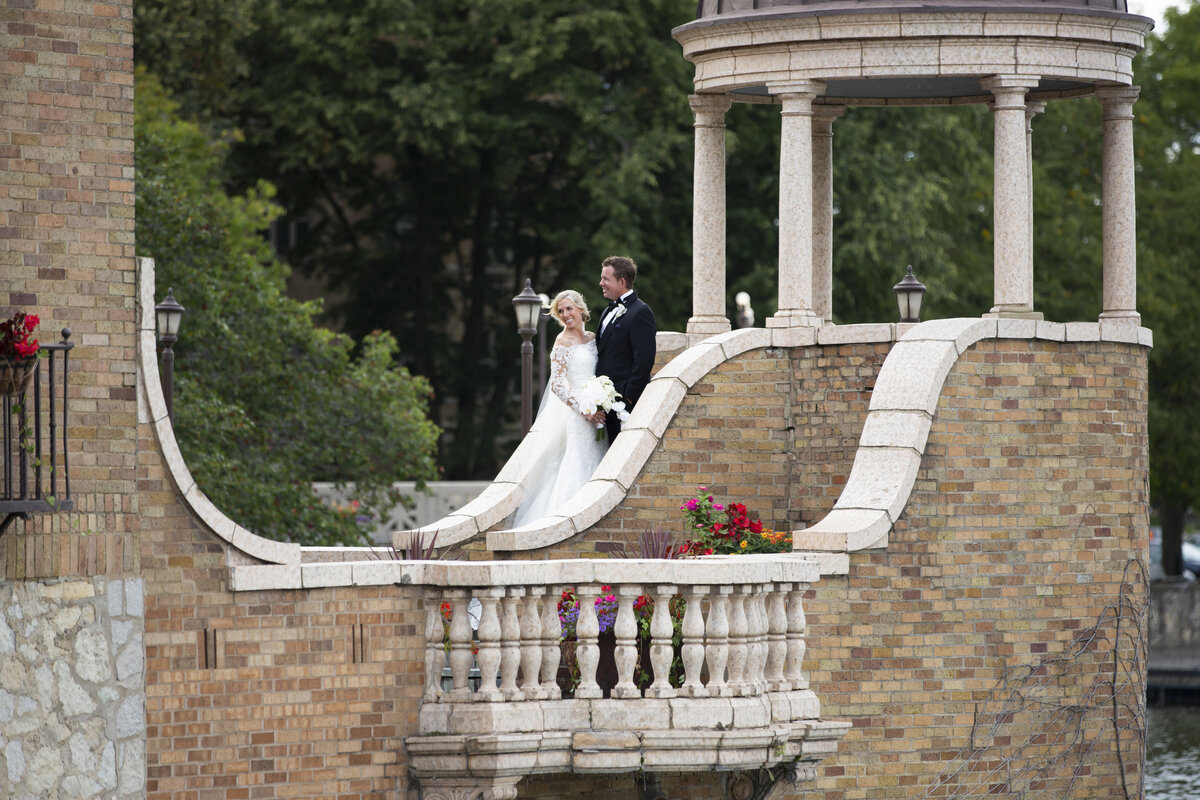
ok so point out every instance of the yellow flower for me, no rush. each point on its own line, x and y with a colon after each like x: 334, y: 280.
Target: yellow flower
x: 743, y: 544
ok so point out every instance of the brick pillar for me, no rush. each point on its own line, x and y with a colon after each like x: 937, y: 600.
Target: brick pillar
x: 66, y: 218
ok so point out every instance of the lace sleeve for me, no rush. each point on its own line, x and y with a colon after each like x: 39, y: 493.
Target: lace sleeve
x: 558, y: 378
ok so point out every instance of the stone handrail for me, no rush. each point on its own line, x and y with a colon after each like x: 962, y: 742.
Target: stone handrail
x: 754, y: 627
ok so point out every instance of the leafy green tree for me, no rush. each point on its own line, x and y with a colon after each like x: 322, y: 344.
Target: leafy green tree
x: 1168, y: 151
x: 266, y: 402
x: 444, y: 152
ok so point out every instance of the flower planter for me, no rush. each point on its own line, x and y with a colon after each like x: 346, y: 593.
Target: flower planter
x: 16, y: 375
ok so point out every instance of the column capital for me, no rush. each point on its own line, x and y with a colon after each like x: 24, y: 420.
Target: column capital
x: 1008, y: 91
x: 796, y: 90
x: 709, y: 108
x: 824, y: 115
x: 1117, y: 102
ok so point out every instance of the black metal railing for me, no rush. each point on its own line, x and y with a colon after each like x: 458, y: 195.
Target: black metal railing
x: 36, y: 467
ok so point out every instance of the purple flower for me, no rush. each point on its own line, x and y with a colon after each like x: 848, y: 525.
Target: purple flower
x: 691, y: 504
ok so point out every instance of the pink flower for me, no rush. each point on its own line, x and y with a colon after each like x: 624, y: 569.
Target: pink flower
x: 718, y: 507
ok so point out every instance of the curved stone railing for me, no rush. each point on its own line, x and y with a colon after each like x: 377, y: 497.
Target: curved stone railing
x: 629, y: 453
x: 152, y: 409
x: 901, y: 412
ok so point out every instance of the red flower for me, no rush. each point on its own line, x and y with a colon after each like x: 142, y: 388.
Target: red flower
x: 756, y: 526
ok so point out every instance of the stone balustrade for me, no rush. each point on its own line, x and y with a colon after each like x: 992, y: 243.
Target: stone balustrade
x: 741, y: 701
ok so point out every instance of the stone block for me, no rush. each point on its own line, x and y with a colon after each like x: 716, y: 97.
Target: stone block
x: 700, y: 713
x: 912, y: 375
x: 856, y: 334
x: 566, y: 715
x: 694, y: 363
x: 657, y: 406
x: 881, y: 479
x: 1083, y: 332
x: 630, y: 715
x: 895, y: 428
x: 626, y: 457
x: 317, y: 575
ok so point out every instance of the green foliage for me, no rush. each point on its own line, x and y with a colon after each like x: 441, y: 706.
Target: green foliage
x: 444, y: 152
x: 1168, y: 151
x: 265, y: 401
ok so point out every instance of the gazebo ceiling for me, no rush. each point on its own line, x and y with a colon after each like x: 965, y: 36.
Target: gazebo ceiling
x: 917, y: 88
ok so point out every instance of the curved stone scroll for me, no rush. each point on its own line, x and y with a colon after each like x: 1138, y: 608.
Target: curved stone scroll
x: 902, y: 408
x: 152, y: 409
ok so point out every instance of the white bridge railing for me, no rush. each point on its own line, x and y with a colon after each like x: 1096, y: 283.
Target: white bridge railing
x: 742, y: 630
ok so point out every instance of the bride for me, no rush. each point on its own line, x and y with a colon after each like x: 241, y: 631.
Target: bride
x: 574, y: 452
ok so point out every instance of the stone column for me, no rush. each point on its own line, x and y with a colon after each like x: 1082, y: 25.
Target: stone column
x: 1031, y: 110
x: 708, y: 216
x: 1012, y: 266
x: 822, y: 269
x: 1119, y: 205
x: 795, y: 206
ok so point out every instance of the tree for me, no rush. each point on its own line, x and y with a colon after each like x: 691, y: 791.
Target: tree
x: 266, y: 402
x: 1168, y: 145
x: 443, y: 152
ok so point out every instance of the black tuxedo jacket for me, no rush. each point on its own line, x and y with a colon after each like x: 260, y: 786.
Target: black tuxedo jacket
x: 626, y: 354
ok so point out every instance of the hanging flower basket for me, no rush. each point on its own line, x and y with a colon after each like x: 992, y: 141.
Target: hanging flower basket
x: 16, y: 374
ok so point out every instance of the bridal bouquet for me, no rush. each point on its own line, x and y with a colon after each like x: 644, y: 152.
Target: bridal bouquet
x: 599, y: 394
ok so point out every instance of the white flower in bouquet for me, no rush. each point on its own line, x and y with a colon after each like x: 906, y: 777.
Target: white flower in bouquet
x: 599, y: 394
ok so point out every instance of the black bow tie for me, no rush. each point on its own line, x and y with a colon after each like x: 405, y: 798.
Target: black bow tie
x: 613, y: 305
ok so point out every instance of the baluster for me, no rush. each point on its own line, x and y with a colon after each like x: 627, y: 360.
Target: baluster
x: 737, y: 641
x: 625, y: 630
x: 461, y: 656
x: 692, y: 652
x: 531, y: 644
x: 435, y: 649
x: 587, y: 631
x: 489, y: 645
x: 510, y: 644
x: 662, y: 649
x: 756, y: 603
x: 795, y: 638
x: 777, y: 638
x: 716, y: 635
x: 551, y: 645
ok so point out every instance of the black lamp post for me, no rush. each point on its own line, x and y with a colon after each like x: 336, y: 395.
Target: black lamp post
x: 169, y: 314
x: 527, y: 304
x: 909, y: 293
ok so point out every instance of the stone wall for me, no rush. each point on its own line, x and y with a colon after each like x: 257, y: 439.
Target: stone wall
x: 72, y: 722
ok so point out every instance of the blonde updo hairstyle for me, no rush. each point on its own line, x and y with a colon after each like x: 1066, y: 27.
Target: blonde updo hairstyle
x: 576, y: 298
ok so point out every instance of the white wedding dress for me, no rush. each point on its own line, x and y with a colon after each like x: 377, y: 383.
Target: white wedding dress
x: 572, y: 452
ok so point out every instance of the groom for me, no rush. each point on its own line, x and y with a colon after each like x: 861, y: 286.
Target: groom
x: 625, y: 340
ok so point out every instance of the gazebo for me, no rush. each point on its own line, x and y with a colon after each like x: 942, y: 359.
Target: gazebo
x: 815, y: 58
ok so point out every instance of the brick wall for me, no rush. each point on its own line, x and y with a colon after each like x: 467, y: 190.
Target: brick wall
x: 268, y: 694
x: 66, y: 223
x: 1031, y: 498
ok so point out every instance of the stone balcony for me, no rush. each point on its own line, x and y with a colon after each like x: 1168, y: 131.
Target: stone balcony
x: 740, y: 701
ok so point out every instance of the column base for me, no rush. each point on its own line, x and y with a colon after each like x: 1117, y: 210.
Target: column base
x: 1013, y: 312
x: 1121, y: 317
x: 708, y: 325
x: 793, y: 318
